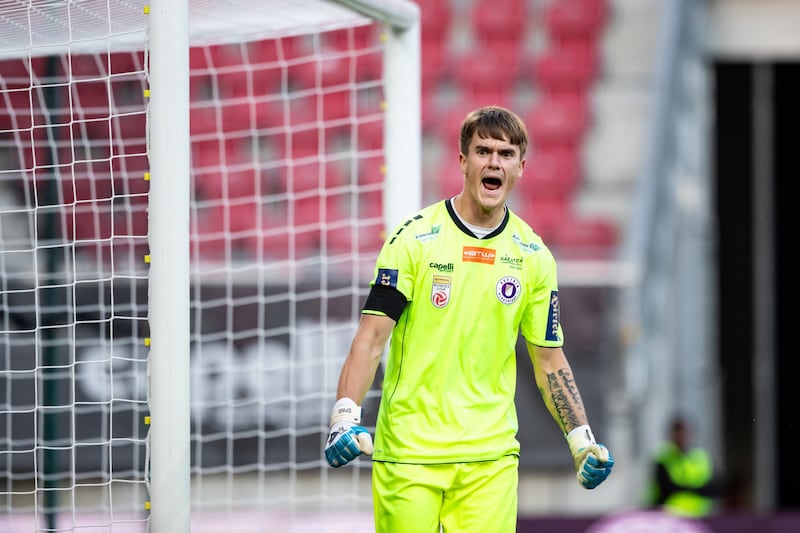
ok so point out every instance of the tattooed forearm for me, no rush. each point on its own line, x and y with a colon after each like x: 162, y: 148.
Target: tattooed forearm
x: 563, y: 393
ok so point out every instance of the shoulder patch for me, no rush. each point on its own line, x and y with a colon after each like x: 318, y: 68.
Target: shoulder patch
x: 387, y: 277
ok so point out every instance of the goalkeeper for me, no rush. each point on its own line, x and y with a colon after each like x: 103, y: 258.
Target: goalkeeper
x: 454, y: 285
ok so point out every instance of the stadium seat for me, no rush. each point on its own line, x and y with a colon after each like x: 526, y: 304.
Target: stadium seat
x: 87, y: 220
x: 126, y: 62
x: 585, y: 237
x: 336, y: 103
x: 435, y: 63
x: 90, y: 98
x: 559, y: 119
x: 551, y: 174
x: 352, y: 38
x: 435, y: 17
x: 368, y: 65
x: 236, y: 116
x: 360, y: 232
x: 274, y: 51
x: 130, y: 216
x: 576, y: 20
x: 225, y: 171
x: 371, y: 170
x: 17, y: 72
x: 497, y: 65
x: 544, y: 216
x: 226, y: 55
x: 504, y: 20
x: 370, y: 134
x: 567, y: 67
x: 85, y: 66
x: 207, y: 233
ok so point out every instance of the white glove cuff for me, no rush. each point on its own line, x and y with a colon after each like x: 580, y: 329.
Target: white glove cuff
x: 580, y: 437
x: 346, y: 410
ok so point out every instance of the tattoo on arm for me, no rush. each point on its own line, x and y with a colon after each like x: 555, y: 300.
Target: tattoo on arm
x: 564, y: 394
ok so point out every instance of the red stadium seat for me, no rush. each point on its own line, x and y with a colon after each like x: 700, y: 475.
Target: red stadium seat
x: 544, y: 216
x: 581, y: 20
x: 582, y: 237
x: 370, y: 134
x: 371, y: 170
x: 435, y: 63
x: 550, y: 175
x: 571, y: 66
x: 90, y: 98
x: 273, y: 51
x: 17, y: 72
x: 126, y: 62
x: 83, y: 66
x: 559, y: 120
x: 435, y: 16
x: 503, y: 20
x: 498, y: 65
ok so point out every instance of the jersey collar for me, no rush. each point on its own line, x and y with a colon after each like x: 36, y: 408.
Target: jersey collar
x: 457, y: 221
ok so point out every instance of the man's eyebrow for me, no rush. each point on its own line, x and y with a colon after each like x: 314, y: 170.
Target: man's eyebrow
x: 503, y: 148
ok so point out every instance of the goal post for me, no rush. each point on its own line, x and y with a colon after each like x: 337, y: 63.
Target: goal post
x: 169, y: 149
x: 192, y: 197
x: 169, y: 366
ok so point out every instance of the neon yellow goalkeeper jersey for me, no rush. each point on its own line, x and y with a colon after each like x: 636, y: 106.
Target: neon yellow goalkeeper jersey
x: 450, y: 377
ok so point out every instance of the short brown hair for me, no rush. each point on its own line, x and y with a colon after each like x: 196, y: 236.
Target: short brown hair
x: 496, y: 122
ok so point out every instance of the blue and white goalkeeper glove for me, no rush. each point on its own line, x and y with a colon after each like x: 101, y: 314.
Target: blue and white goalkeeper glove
x: 592, y: 461
x: 347, y: 438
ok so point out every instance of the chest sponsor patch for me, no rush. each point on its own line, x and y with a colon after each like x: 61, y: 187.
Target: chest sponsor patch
x: 387, y: 277
x: 477, y: 254
x: 440, y: 291
x: 508, y: 289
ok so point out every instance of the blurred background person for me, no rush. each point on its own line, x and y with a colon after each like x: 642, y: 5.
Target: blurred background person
x: 683, y: 479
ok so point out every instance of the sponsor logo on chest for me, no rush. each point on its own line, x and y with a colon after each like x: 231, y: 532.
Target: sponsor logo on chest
x: 477, y: 254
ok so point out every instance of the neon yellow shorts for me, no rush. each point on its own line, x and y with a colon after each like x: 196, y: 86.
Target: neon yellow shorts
x: 460, y: 497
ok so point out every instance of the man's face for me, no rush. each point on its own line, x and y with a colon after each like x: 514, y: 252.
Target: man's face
x: 491, y: 169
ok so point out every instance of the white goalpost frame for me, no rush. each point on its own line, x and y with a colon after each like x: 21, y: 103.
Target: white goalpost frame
x: 169, y: 367
x: 168, y: 290
x: 165, y: 31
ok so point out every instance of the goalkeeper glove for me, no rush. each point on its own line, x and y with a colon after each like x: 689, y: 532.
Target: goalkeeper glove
x: 347, y: 439
x: 592, y: 461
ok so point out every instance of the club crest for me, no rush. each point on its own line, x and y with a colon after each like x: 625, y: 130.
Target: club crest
x: 508, y: 289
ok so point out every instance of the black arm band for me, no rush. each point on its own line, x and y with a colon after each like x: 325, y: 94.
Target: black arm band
x: 386, y: 300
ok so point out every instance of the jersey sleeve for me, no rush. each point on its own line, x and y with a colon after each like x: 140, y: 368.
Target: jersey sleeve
x: 396, y: 265
x: 541, y: 323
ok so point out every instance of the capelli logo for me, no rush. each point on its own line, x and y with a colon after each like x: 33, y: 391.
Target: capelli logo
x: 443, y: 267
x: 476, y: 254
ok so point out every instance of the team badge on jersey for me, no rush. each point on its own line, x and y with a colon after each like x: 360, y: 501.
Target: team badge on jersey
x: 440, y: 291
x: 508, y: 289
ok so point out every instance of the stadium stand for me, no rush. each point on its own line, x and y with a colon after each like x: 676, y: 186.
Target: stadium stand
x: 538, y: 57
x: 541, y: 58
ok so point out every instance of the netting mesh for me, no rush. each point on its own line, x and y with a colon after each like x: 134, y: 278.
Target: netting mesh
x: 286, y: 221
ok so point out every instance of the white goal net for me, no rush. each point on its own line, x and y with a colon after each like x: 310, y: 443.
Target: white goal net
x: 291, y: 121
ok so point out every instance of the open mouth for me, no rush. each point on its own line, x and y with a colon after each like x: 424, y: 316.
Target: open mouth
x: 492, y: 183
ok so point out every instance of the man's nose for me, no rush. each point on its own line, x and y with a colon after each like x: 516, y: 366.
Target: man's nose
x: 494, y: 160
